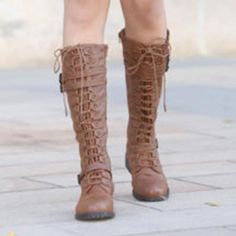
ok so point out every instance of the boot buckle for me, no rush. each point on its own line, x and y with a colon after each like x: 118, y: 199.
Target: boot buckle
x: 157, y: 144
x: 61, y: 85
x: 79, y: 179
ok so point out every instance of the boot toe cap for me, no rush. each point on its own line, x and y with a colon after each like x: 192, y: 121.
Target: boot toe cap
x: 94, y: 205
x: 151, y: 189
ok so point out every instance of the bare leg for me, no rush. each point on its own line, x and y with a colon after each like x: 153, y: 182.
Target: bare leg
x: 145, y: 51
x: 84, y: 80
x: 84, y: 21
x: 145, y: 20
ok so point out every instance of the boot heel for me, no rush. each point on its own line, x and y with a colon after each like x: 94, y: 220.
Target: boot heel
x: 127, y: 165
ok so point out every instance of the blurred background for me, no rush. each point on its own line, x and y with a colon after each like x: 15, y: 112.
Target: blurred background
x: 31, y: 30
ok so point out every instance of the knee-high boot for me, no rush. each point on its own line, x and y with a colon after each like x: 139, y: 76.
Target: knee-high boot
x: 83, y: 79
x: 145, y: 66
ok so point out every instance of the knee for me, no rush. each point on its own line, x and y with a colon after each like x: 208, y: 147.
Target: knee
x: 143, y: 6
x: 146, y: 12
x: 81, y: 12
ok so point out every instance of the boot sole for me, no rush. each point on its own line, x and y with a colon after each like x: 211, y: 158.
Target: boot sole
x: 154, y: 199
x: 143, y: 198
x: 94, y: 216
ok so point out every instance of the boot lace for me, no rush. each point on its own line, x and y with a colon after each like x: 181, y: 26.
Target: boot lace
x: 154, y: 57
x: 57, y: 66
x: 88, y: 133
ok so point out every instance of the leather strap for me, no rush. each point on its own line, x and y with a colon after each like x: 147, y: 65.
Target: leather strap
x: 75, y: 83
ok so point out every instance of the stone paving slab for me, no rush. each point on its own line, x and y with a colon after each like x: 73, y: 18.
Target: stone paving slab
x: 20, y: 184
x: 175, y: 158
x: 51, y: 205
x: 38, y: 230
x: 205, y: 231
x: 160, y: 221
x: 35, y: 230
x: 39, y: 157
x: 218, y: 181
x: 186, y: 200
x: 196, y: 169
x: 57, y: 204
x: 232, y: 227
x: 38, y: 169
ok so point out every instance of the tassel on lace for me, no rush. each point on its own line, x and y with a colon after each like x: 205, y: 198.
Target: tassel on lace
x: 149, y: 51
x: 56, y: 69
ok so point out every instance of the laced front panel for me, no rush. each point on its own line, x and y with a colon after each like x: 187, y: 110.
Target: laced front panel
x: 158, y: 59
x: 84, y: 68
x: 83, y: 78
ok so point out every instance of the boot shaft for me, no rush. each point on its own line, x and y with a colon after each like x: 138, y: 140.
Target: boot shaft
x: 83, y: 79
x: 145, y: 66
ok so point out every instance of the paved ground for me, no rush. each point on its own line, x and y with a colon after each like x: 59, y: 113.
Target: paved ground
x: 39, y: 156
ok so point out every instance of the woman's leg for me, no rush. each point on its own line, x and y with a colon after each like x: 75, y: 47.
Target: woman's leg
x: 146, y: 55
x: 84, y: 21
x: 83, y: 78
x: 145, y: 20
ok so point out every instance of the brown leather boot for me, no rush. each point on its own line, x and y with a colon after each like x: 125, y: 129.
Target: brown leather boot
x: 83, y: 78
x: 145, y: 68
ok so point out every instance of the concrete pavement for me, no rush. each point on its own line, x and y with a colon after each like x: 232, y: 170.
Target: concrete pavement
x: 39, y: 155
